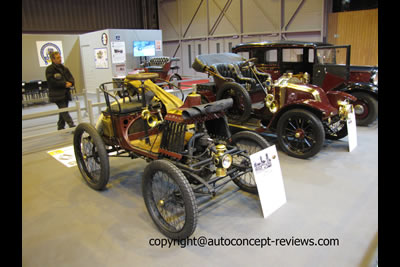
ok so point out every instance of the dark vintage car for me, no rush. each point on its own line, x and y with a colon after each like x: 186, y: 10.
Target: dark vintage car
x: 189, y: 147
x: 329, y: 67
x: 301, y: 114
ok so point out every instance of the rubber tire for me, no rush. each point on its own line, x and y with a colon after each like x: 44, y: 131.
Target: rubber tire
x: 190, y: 205
x: 102, y: 156
x: 372, y: 104
x: 240, y: 91
x: 177, y: 77
x: 318, y: 130
x: 260, y: 141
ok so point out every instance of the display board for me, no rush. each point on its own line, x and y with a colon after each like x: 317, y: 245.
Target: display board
x: 268, y: 175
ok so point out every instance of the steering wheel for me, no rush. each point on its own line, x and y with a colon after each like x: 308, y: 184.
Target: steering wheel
x: 250, y: 62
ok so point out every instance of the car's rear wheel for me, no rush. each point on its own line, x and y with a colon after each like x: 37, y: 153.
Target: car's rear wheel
x: 252, y: 143
x: 366, y: 108
x: 300, y: 133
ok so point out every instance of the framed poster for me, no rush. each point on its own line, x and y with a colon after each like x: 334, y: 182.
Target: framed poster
x: 118, y: 54
x: 45, y: 48
x: 101, y: 58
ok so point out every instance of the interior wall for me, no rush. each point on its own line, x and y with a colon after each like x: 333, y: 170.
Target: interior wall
x: 358, y: 29
x: 93, y: 76
x: 31, y: 69
x: 216, y: 25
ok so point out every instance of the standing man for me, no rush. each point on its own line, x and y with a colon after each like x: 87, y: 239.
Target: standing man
x: 60, y: 81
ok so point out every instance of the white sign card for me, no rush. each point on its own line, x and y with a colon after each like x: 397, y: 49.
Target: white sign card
x: 64, y: 155
x: 44, y: 49
x: 101, y: 58
x: 120, y: 70
x: 351, y: 129
x: 118, y: 52
x: 268, y: 175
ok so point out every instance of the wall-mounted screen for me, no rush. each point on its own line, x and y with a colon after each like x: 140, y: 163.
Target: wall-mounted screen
x: 144, y: 48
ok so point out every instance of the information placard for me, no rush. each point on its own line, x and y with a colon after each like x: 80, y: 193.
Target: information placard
x: 268, y: 176
x: 64, y: 155
x: 351, y: 128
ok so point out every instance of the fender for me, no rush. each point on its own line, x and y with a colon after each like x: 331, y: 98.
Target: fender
x: 360, y: 87
x: 320, y: 109
x: 335, y: 96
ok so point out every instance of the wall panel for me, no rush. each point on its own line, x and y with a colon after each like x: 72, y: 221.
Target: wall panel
x: 358, y: 29
x: 80, y: 16
x: 220, y: 22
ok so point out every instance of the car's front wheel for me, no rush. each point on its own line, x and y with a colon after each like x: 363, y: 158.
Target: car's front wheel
x: 300, y: 133
x: 169, y: 199
x: 252, y: 143
x: 91, y: 156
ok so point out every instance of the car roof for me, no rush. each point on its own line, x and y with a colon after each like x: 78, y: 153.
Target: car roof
x: 281, y: 43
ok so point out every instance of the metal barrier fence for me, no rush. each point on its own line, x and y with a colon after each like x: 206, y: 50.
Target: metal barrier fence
x: 77, y: 109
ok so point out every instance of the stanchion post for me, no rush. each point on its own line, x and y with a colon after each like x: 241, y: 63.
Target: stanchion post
x: 85, y: 99
x: 98, y: 99
x: 90, y: 111
x: 78, y: 109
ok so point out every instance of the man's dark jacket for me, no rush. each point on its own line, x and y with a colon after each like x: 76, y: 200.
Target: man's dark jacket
x: 57, y: 76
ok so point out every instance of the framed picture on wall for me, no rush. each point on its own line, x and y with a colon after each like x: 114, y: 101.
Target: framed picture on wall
x: 45, y: 48
x: 118, y: 54
x: 101, y: 58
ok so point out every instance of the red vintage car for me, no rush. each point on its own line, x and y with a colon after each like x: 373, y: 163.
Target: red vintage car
x: 329, y: 67
x: 301, y: 114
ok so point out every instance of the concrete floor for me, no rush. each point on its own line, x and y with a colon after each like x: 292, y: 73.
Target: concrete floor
x: 332, y: 195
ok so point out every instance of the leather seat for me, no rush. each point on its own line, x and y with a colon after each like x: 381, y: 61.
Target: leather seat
x: 131, y: 105
x: 232, y: 71
x: 127, y: 107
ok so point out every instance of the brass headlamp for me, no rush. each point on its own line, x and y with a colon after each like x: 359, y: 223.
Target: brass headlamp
x: 344, y: 109
x: 221, y: 160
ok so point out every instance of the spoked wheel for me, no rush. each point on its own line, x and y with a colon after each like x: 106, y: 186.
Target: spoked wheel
x: 366, y: 108
x: 241, y: 108
x: 300, y: 133
x: 91, y: 156
x: 252, y: 143
x: 174, y: 77
x: 169, y: 199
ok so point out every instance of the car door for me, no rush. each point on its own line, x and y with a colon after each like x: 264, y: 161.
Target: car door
x: 331, y: 66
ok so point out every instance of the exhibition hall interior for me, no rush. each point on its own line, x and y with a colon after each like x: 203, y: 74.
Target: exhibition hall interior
x: 172, y: 132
